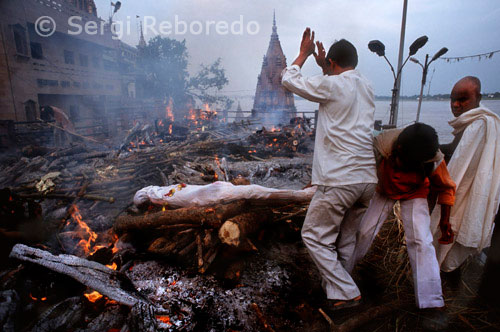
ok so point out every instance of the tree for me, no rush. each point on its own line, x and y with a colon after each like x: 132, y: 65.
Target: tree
x: 206, y: 84
x: 164, y: 64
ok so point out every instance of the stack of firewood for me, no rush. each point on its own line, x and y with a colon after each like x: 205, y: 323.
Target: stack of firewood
x: 195, y: 235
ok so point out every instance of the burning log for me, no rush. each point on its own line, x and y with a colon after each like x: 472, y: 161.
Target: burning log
x: 235, y: 230
x: 201, y: 216
x: 111, y: 283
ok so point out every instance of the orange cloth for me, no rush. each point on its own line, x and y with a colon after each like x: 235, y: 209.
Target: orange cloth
x: 397, y: 184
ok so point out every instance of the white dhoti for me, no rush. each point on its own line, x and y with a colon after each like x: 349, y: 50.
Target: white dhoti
x: 329, y: 233
x: 416, y: 224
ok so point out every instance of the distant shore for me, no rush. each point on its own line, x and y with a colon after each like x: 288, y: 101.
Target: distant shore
x: 486, y: 96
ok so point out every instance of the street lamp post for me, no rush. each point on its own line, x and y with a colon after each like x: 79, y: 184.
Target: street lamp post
x: 425, y: 67
x: 376, y: 46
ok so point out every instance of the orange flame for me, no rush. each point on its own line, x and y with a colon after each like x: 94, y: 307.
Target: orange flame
x: 36, y: 299
x: 170, y: 129
x: 94, y: 296
x: 88, y: 237
x: 168, y: 114
x: 112, y: 266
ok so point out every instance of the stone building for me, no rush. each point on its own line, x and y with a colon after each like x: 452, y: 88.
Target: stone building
x: 87, y: 75
x: 273, y: 104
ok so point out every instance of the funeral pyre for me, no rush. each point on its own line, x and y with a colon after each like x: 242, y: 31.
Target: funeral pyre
x: 99, y: 256
x: 73, y: 209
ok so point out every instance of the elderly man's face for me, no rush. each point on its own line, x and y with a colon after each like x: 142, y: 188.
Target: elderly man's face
x: 464, y: 97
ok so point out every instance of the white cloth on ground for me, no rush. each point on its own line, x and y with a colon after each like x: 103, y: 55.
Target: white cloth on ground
x: 475, y: 168
x: 416, y: 223
x: 343, y: 148
x: 215, y: 193
x: 329, y: 234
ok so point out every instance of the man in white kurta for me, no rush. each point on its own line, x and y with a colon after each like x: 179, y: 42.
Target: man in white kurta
x: 475, y: 168
x: 343, y: 164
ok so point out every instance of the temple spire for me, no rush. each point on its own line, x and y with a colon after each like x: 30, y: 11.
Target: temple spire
x: 142, y: 41
x: 275, y: 29
x: 273, y: 104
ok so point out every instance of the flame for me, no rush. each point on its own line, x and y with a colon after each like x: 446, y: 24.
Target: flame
x: 164, y: 319
x: 36, y: 299
x: 88, y: 237
x: 170, y: 129
x: 192, y: 114
x: 115, y: 239
x: 168, y: 111
x: 112, y: 266
x: 93, y: 297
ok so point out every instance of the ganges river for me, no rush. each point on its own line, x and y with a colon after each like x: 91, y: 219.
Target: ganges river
x: 434, y: 113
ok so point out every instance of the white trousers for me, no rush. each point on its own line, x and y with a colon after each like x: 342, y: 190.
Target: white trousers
x: 329, y: 234
x: 416, y: 224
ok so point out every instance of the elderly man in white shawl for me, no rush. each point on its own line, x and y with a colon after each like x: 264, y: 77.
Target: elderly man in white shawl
x: 475, y: 167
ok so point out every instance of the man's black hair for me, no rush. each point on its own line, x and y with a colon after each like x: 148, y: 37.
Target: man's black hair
x: 343, y: 53
x: 416, y: 145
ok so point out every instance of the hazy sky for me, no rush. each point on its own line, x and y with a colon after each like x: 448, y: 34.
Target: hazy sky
x: 465, y: 27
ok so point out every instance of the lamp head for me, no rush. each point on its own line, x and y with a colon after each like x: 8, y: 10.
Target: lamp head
x: 440, y: 53
x: 418, y: 44
x: 376, y: 46
x: 412, y: 59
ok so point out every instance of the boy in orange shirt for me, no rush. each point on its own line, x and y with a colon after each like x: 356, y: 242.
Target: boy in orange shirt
x: 409, y: 161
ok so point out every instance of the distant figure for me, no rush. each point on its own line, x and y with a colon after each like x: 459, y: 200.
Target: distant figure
x: 474, y: 164
x: 63, y: 127
x: 343, y: 164
x: 410, y: 163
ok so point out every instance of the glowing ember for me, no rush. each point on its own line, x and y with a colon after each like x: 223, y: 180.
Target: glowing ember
x: 94, y: 296
x: 164, y: 319
x: 36, y: 299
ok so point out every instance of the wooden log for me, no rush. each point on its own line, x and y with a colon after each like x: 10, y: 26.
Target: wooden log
x: 63, y: 196
x: 203, y: 216
x: 235, y: 230
x: 113, y: 284
x: 262, y: 320
x: 360, y: 319
x: 165, y: 246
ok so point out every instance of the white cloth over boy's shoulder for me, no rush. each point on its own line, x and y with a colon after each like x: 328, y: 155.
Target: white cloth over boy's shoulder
x: 343, y: 152
x: 475, y: 168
